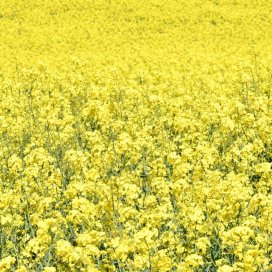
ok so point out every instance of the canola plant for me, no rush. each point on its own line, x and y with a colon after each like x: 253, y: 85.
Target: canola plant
x: 135, y: 135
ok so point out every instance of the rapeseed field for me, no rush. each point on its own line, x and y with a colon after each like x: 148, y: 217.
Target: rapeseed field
x: 135, y: 135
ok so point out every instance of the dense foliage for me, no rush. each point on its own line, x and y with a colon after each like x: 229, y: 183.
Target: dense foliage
x: 135, y: 135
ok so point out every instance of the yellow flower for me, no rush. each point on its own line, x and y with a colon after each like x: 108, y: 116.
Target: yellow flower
x: 135, y: 137
x: 49, y: 269
x: 225, y: 268
x: 21, y: 269
x: 6, y: 263
x: 202, y: 243
x: 193, y: 260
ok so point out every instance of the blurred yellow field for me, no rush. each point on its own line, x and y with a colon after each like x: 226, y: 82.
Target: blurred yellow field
x: 135, y: 135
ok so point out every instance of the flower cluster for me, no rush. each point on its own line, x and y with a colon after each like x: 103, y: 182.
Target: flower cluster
x: 135, y: 136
